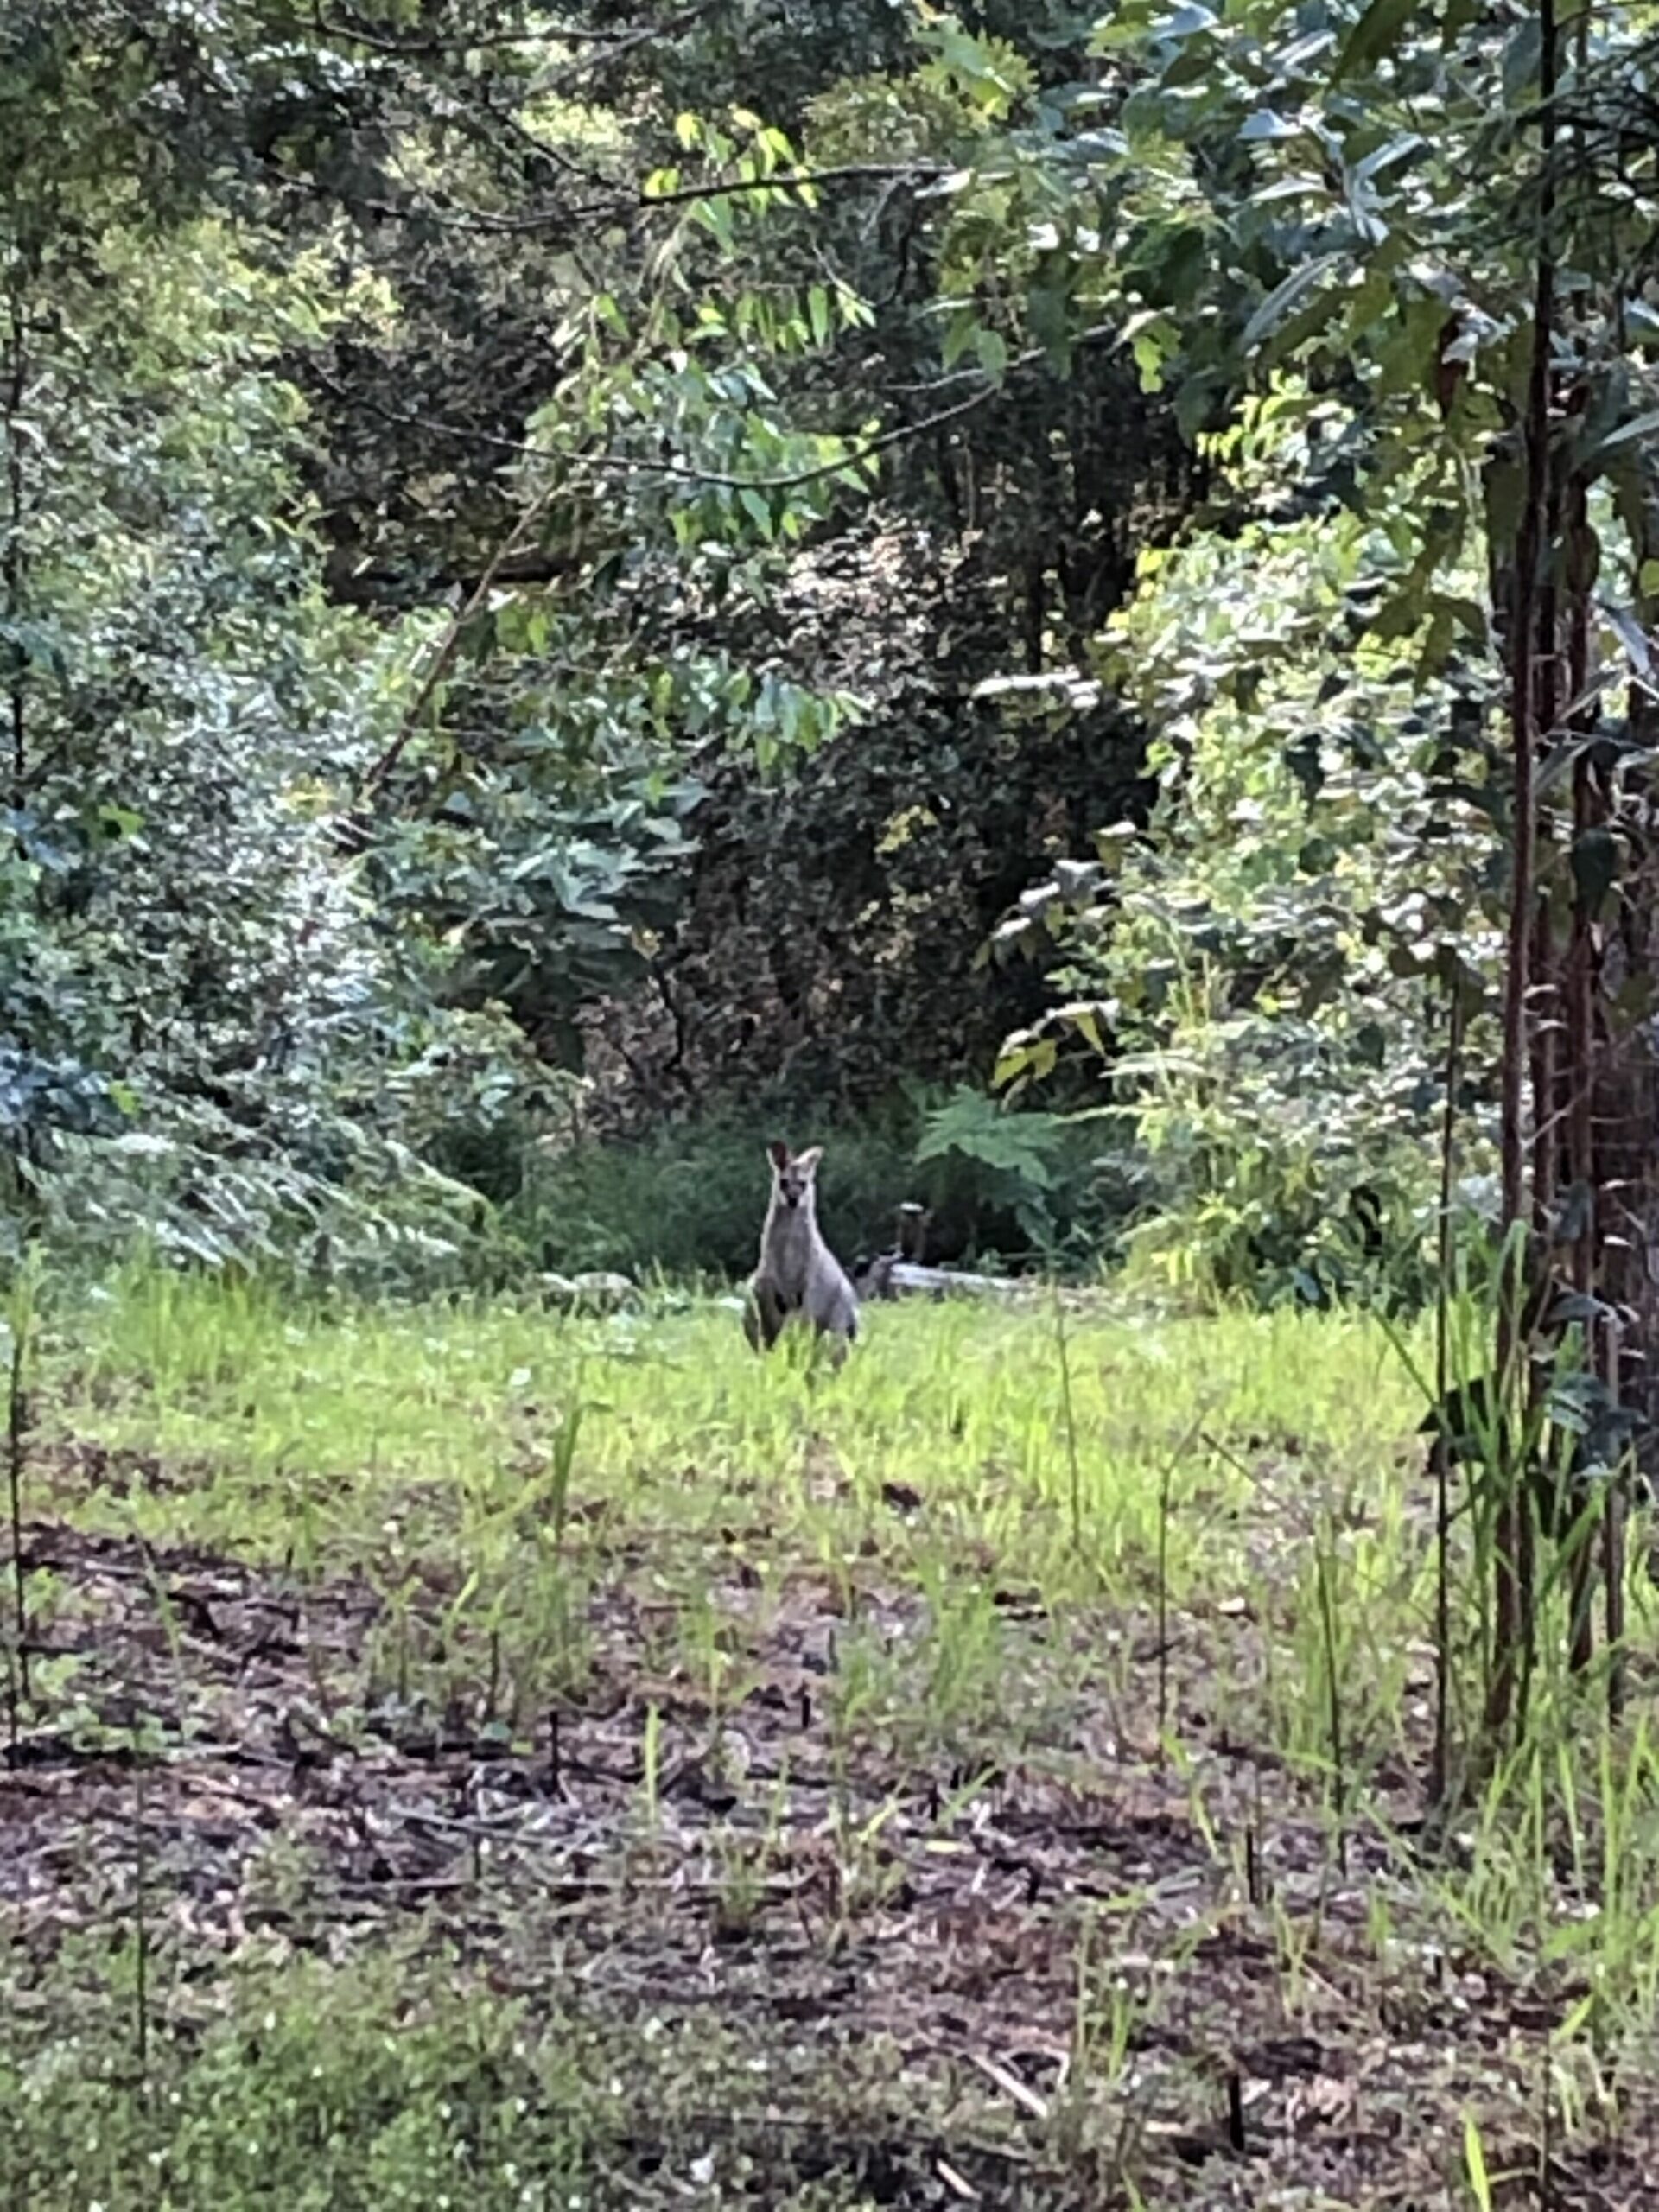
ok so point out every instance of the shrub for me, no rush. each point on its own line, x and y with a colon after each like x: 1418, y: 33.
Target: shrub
x: 688, y: 1198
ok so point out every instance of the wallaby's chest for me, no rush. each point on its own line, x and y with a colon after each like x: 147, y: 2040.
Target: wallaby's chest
x: 786, y: 1251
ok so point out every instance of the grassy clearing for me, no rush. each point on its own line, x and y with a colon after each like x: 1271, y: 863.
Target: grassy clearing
x: 572, y: 1761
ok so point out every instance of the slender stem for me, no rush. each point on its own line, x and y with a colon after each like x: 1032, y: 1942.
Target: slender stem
x: 1441, y: 1776
x: 1513, y: 1626
x: 1613, y: 1543
x: 1074, y: 1464
x: 1580, y: 1031
x: 1327, y: 1543
x: 11, y: 561
x: 140, y: 1911
x: 16, y: 1429
x: 438, y: 668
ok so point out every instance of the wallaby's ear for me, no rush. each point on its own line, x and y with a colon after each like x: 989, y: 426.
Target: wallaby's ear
x: 807, y: 1161
x: 777, y: 1153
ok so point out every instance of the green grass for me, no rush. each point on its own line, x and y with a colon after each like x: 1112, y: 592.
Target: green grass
x: 429, y: 1443
x: 962, y: 1401
x: 400, y: 2081
x: 827, y: 1652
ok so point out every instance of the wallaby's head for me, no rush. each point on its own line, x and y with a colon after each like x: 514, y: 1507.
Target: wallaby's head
x: 792, y: 1173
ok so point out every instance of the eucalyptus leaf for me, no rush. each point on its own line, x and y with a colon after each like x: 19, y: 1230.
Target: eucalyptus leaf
x: 1283, y: 297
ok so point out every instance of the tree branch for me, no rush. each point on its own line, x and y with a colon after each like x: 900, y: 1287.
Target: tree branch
x: 792, y: 179
x: 858, y: 450
x: 415, y: 49
x: 622, y: 199
x: 446, y: 652
x: 609, y: 45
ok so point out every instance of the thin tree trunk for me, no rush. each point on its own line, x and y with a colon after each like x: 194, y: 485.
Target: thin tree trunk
x: 16, y: 1156
x: 1512, y: 1609
x: 1440, y: 1776
x: 1613, y: 1541
x: 1581, y: 1027
x: 12, y: 559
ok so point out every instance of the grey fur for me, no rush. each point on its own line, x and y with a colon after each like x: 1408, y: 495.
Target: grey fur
x: 798, y: 1273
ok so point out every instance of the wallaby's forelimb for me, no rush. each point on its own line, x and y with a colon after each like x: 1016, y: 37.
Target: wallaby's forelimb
x: 763, y: 1317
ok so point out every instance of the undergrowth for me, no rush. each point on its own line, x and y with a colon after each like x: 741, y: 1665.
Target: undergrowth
x: 1074, y: 1546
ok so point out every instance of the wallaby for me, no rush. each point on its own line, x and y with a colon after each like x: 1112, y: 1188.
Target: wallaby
x: 798, y: 1273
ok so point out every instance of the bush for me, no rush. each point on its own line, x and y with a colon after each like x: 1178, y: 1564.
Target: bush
x: 689, y: 1198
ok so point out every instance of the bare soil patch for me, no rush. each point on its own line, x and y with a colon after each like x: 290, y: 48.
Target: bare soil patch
x: 1078, y: 1967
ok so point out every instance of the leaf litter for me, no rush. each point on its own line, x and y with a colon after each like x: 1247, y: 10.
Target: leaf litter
x: 1093, y: 1968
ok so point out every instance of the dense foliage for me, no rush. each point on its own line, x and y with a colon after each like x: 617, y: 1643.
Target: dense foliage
x: 560, y: 576
x: 427, y: 433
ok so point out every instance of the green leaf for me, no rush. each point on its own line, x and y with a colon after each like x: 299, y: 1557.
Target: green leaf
x: 1185, y: 21
x: 817, y: 307
x: 1149, y: 361
x: 1640, y: 426
x: 1633, y: 637
x: 1046, y: 306
x: 1520, y: 59
x: 1506, y: 492
x: 1595, y: 864
x: 1377, y: 31
x: 960, y: 332
x: 1086, y: 1020
x: 1264, y: 123
x: 1474, y: 2159
x: 1290, y: 187
x: 1395, y: 150
x: 1279, y: 301
x: 992, y: 350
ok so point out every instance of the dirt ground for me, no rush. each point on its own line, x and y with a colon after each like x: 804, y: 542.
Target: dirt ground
x: 1084, y: 1971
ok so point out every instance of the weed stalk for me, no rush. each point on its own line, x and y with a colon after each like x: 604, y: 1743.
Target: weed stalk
x: 22, y: 1330
x: 1323, y: 1562
x: 1440, y: 1778
x: 1069, y: 1414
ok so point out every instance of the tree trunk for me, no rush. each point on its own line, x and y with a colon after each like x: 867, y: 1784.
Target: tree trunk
x: 1513, y: 1623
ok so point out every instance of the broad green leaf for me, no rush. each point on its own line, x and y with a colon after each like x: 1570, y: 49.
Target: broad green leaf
x: 1409, y: 142
x: 960, y: 333
x: 1149, y: 360
x: 1520, y: 59
x: 1633, y: 637
x: 1290, y: 187
x: 1186, y: 23
x: 1377, y: 33
x: 1283, y: 297
x: 991, y: 349
x: 1641, y: 426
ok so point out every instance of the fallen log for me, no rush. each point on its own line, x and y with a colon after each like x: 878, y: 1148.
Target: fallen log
x: 892, y: 1277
